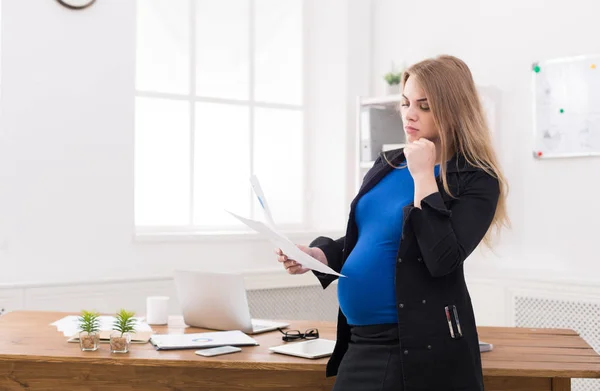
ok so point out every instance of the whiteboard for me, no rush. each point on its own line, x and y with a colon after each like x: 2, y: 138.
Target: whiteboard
x: 567, y: 107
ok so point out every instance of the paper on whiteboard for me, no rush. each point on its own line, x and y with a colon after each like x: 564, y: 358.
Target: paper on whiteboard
x: 287, y: 246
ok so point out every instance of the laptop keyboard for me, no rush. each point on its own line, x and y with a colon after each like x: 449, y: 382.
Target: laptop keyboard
x: 259, y: 324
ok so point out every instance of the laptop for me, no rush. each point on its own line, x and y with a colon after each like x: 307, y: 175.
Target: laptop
x: 218, y: 301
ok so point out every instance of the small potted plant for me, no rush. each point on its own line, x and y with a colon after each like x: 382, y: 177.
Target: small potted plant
x: 89, y: 335
x: 123, y: 326
x: 393, y: 80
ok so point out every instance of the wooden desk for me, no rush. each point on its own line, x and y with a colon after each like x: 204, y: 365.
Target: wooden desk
x: 34, y: 356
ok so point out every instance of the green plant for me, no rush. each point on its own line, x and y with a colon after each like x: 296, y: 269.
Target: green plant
x: 393, y: 78
x: 124, y: 322
x: 89, y: 321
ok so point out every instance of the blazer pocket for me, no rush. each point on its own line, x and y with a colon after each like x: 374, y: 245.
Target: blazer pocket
x: 453, y: 360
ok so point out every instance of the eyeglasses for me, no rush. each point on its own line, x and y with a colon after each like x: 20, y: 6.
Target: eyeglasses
x: 294, y: 335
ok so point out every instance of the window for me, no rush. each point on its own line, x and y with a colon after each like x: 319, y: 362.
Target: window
x: 219, y: 95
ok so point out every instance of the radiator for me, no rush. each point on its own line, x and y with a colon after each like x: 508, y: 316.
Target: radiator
x: 581, y: 316
x: 294, y: 303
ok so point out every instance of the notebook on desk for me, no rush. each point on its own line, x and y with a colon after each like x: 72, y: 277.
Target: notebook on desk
x: 201, y: 340
x: 69, y: 326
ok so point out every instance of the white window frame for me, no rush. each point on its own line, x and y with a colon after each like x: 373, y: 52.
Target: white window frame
x: 193, y: 232
x: 1, y: 79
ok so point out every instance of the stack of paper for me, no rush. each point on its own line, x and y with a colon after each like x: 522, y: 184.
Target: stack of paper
x: 69, y: 326
x: 202, y: 340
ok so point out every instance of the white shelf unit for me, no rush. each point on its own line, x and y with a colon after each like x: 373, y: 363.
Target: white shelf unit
x: 380, y: 100
x: 387, y: 101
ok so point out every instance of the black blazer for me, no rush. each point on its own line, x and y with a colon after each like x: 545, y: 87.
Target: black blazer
x: 436, y: 239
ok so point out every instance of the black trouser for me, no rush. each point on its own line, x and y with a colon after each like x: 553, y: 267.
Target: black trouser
x: 372, y: 362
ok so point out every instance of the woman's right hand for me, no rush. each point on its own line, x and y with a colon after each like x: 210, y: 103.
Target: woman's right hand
x: 294, y: 267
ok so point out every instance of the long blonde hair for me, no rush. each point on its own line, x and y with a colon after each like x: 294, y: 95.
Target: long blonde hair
x: 458, y: 114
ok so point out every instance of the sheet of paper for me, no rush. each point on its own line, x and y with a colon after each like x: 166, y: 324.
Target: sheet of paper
x: 69, y: 325
x: 258, y: 191
x: 287, y: 246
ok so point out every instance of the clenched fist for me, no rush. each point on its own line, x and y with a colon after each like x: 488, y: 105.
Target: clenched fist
x: 420, y: 157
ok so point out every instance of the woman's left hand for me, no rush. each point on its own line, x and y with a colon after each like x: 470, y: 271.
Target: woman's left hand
x: 420, y: 157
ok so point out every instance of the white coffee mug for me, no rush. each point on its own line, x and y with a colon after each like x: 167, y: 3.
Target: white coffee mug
x: 157, y: 310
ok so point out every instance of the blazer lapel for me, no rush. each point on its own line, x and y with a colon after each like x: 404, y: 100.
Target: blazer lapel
x: 379, y: 170
x: 373, y: 176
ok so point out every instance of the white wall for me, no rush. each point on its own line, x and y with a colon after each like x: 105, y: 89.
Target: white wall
x: 66, y: 134
x: 553, y: 203
x: 66, y: 146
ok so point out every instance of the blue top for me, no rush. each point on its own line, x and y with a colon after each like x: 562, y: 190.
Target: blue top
x: 368, y: 296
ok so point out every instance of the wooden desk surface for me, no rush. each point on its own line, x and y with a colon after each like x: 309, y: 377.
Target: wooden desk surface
x: 27, y: 337
x: 517, y: 351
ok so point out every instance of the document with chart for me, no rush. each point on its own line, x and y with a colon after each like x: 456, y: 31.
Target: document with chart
x: 269, y: 231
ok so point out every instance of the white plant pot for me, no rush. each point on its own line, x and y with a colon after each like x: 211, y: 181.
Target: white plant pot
x: 393, y: 89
